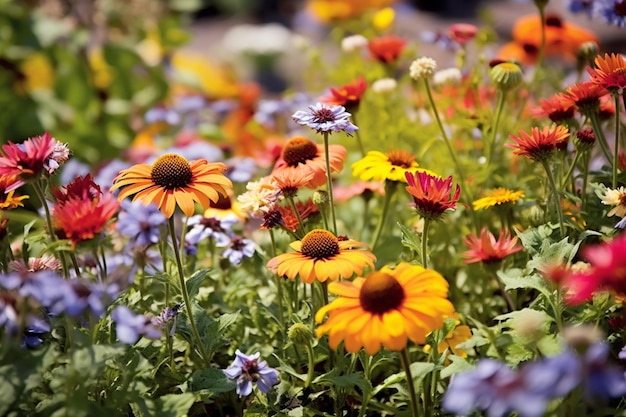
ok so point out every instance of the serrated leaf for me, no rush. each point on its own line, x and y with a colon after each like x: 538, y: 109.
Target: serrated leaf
x: 210, y: 379
x: 410, y: 240
x: 226, y: 320
x: 195, y: 282
x: 513, y: 279
x: 89, y: 362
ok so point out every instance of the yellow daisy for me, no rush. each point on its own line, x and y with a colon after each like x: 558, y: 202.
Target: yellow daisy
x: 378, y: 166
x: 497, y: 197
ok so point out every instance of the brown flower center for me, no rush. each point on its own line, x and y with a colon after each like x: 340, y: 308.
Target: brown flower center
x: 171, y: 171
x: 298, y: 151
x: 381, y: 293
x: 320, y: 244
x: 620, y: 8
x: 323, y: 115
x: 400, y: 158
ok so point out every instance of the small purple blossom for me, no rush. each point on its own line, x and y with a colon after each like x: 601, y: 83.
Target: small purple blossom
x: 247, y: 370
x: 238, y: 249
x: 601, y: 379
x: 201, y: 228
x: 162, y: 114
x: 33, y: 335
x: 581, y: 6
x: 130, y: 326
x: 108, y: 172
x: 612, y: 11
x: 325, y: 119
x: 140, y: 223
x: 241, y: 169
x: 169, y: 314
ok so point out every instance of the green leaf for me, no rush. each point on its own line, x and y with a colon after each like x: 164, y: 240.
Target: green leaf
x: 210, y: 380
x: 457, y: 364
x: 90, y: 362
x: 226, y: 320
x: 171, y: 405
x: 195, y: 282
x: 346, y: 381
x: 514, y: 279
x: 410, y: 239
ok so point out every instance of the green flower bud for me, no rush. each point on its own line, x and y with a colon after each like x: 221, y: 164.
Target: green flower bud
x: 300, y: 334
x: 506, y: 75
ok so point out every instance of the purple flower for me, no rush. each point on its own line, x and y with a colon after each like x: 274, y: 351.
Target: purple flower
x: 162, y: 114
x: 201, y: 228
x: 581, y: 6
x: 140, y: 223
x: 107, y: 173
x: 601, y: 380
x: 611, y: 11
x: 130, y: 326
x: 169, y: 314
x: 555, y: 376
x: 247, y: 370
x: 240, y: 169
x: 324, y: 118
x: 238, y: 249
x: 33, y: 335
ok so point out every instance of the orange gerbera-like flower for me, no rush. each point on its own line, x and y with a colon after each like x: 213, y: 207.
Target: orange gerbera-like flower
x: 302, y: 156
x: 348, y: 95
x: 488, y: 249
x: 321, y: 255
x: 540, y: 144
x: 586, y: 96
x: 8, y: 199
x: 172, y: 180
x: 431, y: 194
x: 610, y: 72
x: 386, y: 308
x: 386, y: 49
x: 290, y: 182
x: 559, y: 108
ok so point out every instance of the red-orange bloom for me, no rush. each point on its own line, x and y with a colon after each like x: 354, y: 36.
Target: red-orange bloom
x: 559, y: 108
x: 81, y: 188
x: 431, y: 194
x: 348, y: 95
x: 386, y: 48
x: 305, y: 210
x: 586, y: 96
x: 488, y: 249
x: 462, y: 33
x: 610, y: 72
x: 290, y: 182
x: 302, y: 156
x: 27, y: 159
x: 540, y: 144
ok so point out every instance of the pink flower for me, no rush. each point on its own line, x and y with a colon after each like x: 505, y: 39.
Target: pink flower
x: 28, y: 159
x: 431, y: 194
x: 488, y: 249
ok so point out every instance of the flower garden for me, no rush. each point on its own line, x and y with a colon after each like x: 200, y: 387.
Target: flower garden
x: 386, y: 235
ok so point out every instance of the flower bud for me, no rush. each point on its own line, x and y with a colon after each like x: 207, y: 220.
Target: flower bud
x: 300, y: 334
x: 506, y: 75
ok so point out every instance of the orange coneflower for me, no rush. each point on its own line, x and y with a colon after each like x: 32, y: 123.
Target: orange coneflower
x: 301, y: 156
x: 348, y: 95
x: 488, y: 249
x: 586, y: 96
x: 321, y: 255
x: 559, y: 108
x: 386, y: 308
x: 431, y: 194
x: 386, y: 49
x: 540, y: 144
x: 172, y: 180
x: 392, y: 166
x: 610, y: 72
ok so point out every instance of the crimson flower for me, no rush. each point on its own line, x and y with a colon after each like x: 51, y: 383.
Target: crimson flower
x: 348, y: 95
x: 386, y: 49
x: 488, y: 249
x: 559, y: 108
x: 82, y: 188
x: 462, y: 33
x: 28, y: 159
x: 539, y: 145
x: 431, y: 194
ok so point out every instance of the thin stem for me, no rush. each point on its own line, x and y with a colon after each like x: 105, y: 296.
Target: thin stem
x: 496, y: 123
x: 311, y: 365
x: 406, y: 364
x: 390, y: 188
x: 616, y: 150
x: 583, y: 191
x: 555, y: 195
x: 599, y: 133
x: 505, y: 295
x: 358, y: 136
x: 570, y: 170
x: 425, y: 243
x: 329, y: 183
x: 183, y: 289
x: 542, y: 45
x: 296, y: 213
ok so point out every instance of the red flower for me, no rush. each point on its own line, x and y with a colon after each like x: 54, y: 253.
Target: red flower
x: 586, y: 96
x: 386, y: 48
x: 348, y: 95
x: 540, y: 144
x: 462, y: 33
x: 305, y: 210
x: 431, y: 194
x: 81, y: 188
x: 610, y: 72
x: 559, y: 108
x: 27, y: 159
x: 488, y: 249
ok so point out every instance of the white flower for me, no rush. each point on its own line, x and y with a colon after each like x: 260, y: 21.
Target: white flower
x: 265, y: 39
x: 422, y: 67
x: 384, y: 85
x: 615, y: 198
x: 448, y: 76
x: 353, y: 43
x: 260, y: 198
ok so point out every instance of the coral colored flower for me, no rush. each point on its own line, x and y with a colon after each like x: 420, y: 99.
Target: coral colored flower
x: 305, y: 210
x: 321, y: 255
x: 28, y: 159
x: 301, y: 156
x: 616, y: 198
x: 539, y: 145
x: 386, y: 49
x: 290, y: 182
x: 586, y: 96
x: 559, y: 108
x: 392, y: 166
x: 386, y: 308
x: 348, y: 95
x: 8, y: 199
x: 171, y: 181
x: 46, y: 262
x: 431, y: 194
x: 358, y: 188
x: 325, y: 119
x: 488, y: 249
x: 462, y: 33
x: 498, y: 197
x: 610, y: 72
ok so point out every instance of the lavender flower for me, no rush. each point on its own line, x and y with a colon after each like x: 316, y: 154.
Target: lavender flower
x: 33, y: 335
x: 581, y: 6
x: 611, y: 11
x: 601, y: 379
x: 140, y: 223
x: 162, y: 114
x: 238, y: 249
x: 169, y: 314
x: 201, y: 228
x: 247, y: 370
x: 326, y: 119
x: 130, y: 326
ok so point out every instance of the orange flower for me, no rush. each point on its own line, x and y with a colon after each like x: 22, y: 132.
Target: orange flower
x: 431, y: 194
x: 488, y: 249
x: 305, y: 210
x: 8, y: 199
x: 610, y: 72
x: 348, y: 95
x: 386, y: 308
x: 358, y: 188
x: 386, y: 49
x: 586, y: 96
x: 559, y: 108
x: 540, y: 144
x: 301, y: 156
x: 332, y: 10
x: 171, y: 180
x: 321, y: 255
x: 290, y: 182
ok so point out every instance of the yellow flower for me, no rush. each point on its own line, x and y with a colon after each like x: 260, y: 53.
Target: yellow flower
x: 383, y: 19
x: 461, y: 333
x: 333, y: 10
x: 378, y: 166
x: 195, y: 72
x: 498, y: 196
x: 8, y: 199
x: 102, y: 71
x: 386, y: 308
x: 38, y: 73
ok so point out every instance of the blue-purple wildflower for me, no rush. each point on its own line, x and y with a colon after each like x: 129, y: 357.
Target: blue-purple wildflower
x: 238, y: 249
x: 140, y: 223
x: 325, y: 119
x: 34, y: 332
x: 581, y: 6
x: 246, y: 370
x: 201, y: 228
x: 130, y: 326
x: 611, y: 11
x: 601, y: 379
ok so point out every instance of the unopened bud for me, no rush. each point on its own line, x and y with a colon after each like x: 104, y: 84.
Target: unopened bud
x: 300, y: 334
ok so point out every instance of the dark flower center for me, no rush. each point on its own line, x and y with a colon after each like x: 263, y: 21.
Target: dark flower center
x: 212, y: 223
x: 323, y: 115
x: 272, y: 219
x: 320, y: 244
x: 171, y: 171
x: 223, y: 203
x: 381, y: 293
x: 400, y: 158
x: 620, y: 8
x: 554, y: 21
x: 298, y: 151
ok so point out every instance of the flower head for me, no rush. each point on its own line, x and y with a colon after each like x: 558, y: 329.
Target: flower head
x: 130, y: 326
x: 81, y: 188
x: 386, y: 49
x: 202, y: 228
x: 392, y: 166
x: 447, y: 77
x: 325, y: 119
x: 423, y: 67
x: 612, y: 11
x: 462, y: 33
x: 539, y: 145
x: 615, y: 198
x: 289, y: 219
x: 386, y: 308
x: 140, y: 223
x: 498, y: 197
x: 247, y: 369
x: 488, y: 249
x: 321, y: 255
x: 353, y: 43
x: 384, y: 85
x: 431, y: 194
x: 559, y: 108
x: 8, y: 199
x: 260, y: 198
x: 586, y: 96
x: 239, y: 248
x: 348, y: 95
x: 29, y: 159
x: 172, y: 180
x: 610, y: 71
x: 506, y: 75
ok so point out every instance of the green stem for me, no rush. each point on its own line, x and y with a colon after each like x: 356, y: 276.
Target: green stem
x: 311, y: 365
x: 183, y: 289
x: 542, y: 45
x: 583, y: 192
x: 329, y: 183
x: 358, y: 136
x: 406, y: 364
x: 599, y: 133
x: 292, y: 204
x: 425, y: 243
x: 390, y: 188
x: 616, y: 150
x: 555, y: 195
x: 570, y: 170
x: 496, y: 123
x: 279, y: 290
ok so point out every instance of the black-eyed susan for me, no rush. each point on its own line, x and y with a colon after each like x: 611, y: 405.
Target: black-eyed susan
x: 497, y: 197
x: 378, y: 166
x: 172, y: 180
x: 321, y: 255
x: 386, y: 308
